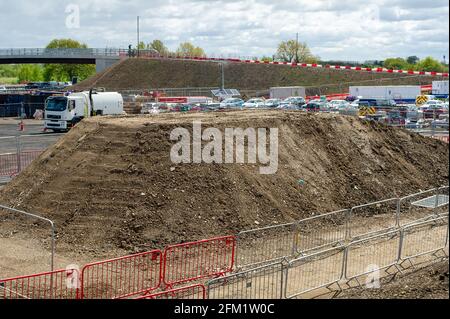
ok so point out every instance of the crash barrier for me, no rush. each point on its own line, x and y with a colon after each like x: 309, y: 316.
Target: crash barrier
x: 193, y: 261
x: 122, y: 277
x: 264, y: 282
x: 196, y: 292
x: 61, y: 284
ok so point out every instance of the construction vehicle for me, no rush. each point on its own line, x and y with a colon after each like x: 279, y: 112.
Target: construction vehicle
x: 65, y: 111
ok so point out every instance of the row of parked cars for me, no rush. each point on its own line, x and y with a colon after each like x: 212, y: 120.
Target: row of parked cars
x: 291, y: 103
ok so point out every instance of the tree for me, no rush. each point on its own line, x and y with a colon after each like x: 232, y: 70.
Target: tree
x: 159, y: 47
x: 429, y: 64
x: 288, y: 51
x: 412, y: 59
x: 29, y: 72
x: 396, y: 63
x: 141, y: 46
x: 65, y: 72
x: 188, y: 49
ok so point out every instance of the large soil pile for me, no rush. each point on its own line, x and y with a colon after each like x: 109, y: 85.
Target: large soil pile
x: 110, y: 184
x: 145, y: 74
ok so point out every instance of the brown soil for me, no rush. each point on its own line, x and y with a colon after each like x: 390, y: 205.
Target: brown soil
x: 144, y: 74
x: 428, y: 283
x: 111, y: 188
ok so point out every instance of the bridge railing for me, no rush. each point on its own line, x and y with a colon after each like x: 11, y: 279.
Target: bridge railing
x: 88, y: 52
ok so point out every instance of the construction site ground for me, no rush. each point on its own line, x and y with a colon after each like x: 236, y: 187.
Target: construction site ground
x: 112, y: 190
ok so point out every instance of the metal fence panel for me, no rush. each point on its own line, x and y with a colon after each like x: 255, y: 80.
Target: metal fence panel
x: 60, y: 284
x: 266, y: 245
x: 315, y: 271
x: 371, y: 254
x: 192, y: 261
x: 196, y: 292
x: 424, y: 238
x: 264, y: 282
x: 373, y: 218
x: 122, y: 277
x: 322, y: 231
x: 422, y: 205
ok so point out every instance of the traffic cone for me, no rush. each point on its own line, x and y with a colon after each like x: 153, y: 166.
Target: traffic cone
x: 21, y: 126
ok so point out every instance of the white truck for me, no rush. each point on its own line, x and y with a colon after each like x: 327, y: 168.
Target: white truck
x: 283, y: 93
x: 63, y: 112
x: 399, y: 93
x: 441, y: 88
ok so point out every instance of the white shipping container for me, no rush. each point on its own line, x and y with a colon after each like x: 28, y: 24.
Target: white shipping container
x: 285, y: 92
x: 440, y: 88
x: 394, y: 92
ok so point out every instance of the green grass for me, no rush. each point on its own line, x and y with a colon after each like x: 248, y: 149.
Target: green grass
x: 5, y: 80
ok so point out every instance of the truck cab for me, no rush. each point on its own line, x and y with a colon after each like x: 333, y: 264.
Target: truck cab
x: 63, y: 112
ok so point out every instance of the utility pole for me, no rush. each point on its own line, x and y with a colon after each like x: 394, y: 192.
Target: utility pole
x: 222, y: 70
x: 296, y: 50
x: 138, y: 38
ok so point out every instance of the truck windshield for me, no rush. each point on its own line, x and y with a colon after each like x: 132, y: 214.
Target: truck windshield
x: 58, y: 104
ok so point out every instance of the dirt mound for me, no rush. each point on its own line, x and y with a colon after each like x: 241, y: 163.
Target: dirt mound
x: 135, y: 74
x: 110, y: 185
x: 428, y: 283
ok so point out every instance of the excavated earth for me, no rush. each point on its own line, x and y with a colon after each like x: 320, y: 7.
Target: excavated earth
x: 110, y: 186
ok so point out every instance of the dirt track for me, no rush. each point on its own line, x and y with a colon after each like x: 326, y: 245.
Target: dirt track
x: 111, y: 188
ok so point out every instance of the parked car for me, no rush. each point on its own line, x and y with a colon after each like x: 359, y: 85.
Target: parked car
x: 254, y: 103
x: 313, y: 106
x: 272, y: 103
x: 232, y: 103
x: 293, y: 102
x: 2, y: 88
x: 335, y: 105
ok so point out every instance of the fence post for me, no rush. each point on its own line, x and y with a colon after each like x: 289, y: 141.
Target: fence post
x: 347, y: 224
x: 18, y: 154
x: 399, y: 204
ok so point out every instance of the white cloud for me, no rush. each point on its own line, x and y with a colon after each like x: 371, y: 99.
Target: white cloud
x: 347, y: 30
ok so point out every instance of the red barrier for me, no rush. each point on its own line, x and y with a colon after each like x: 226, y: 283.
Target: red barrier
x: 59, y: 284
x: 122, y: 277
x: 197, y: 292
x: 445, y: 139
x: 192, y: 261
x: 9, y: 165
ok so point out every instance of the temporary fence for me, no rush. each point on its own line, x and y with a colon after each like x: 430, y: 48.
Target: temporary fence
x: 423, y: 204
x: 7, y: 212
x: 424, y: 238
x: 319, y: 232
x: 196, y: 292
x: 315, y: 271
x: 17, y: 152
x: 122, y: 277
x: 60, y: 284
x: 264, y: 282
x: 293, y: 259
x: 197, y: 260
x: 372, y: 254
x: 265, y: 245
x: 373, y: 218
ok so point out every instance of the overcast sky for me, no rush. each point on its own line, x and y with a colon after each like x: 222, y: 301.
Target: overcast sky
x: 355, y: 30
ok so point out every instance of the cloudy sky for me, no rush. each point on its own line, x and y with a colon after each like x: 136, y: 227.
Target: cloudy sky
x: 352, y: 30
